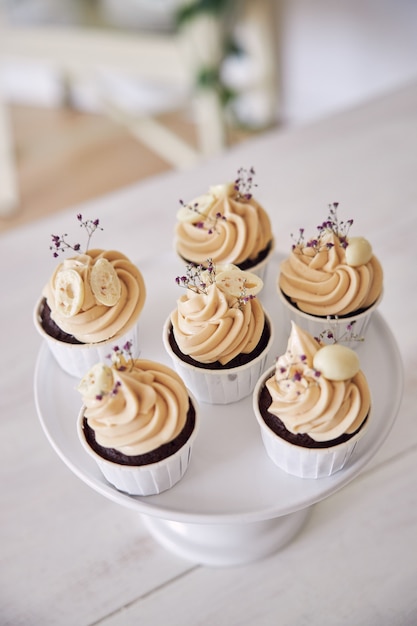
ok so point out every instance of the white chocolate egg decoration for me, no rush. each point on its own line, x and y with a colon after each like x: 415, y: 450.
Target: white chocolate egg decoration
x: 358, y: 251
x: 336, y: 362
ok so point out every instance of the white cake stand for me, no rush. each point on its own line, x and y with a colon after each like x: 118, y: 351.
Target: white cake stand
x: 233, y: 506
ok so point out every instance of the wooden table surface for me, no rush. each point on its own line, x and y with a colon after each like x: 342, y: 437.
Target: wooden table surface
x: 71, y: 556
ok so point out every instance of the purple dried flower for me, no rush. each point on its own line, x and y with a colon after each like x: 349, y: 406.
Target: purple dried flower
x: 244, y: 183
x: 60, y: 244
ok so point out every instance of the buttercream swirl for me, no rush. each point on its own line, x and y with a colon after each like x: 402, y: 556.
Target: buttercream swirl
x: 143, y: 406
x: 242, y: 233
x: 322, y: 283
x: 95, y: 322
x: 306, y: 402
x: 213, y: 326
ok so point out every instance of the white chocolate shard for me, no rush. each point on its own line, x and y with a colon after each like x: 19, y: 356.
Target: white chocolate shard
x: 336, y: 362
x: 237, y: 282
x: 105, y: 283
x: 69, y: 292
x: 97, y: 382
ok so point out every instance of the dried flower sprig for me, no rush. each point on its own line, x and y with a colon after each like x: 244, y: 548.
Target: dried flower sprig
x: 330, y: 333
x: 197, y: 277
x: 60, y: 244
x: 111, y: 393
x: 207, y: 222
x: 332, y: 224
x: 293, y: 372
x: 122, y: 358
x: 243, y: 183
x: 243, y: 298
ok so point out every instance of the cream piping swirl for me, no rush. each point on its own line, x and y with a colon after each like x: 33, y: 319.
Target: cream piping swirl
x: 212, y: 326
x: 244, y: 232
x: 322, y: 283
x: 146, y: 408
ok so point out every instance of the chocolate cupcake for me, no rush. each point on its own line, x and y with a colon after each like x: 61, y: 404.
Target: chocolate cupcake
x: 138, y: 422
x: 219, y: 335
x: 91, y: 301
x: 312, y: 406
x: 331, y: 276
x: 227, y: 225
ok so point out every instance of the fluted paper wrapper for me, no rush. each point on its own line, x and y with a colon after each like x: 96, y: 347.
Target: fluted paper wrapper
x: 215, y: 386
x: 78, y: 359
x: 260, y: 269
x: 297, y: 460
x: 144, y: 480
x: 340, y: 327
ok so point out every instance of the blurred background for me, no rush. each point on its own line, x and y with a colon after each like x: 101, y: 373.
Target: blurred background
x: 98, y: 94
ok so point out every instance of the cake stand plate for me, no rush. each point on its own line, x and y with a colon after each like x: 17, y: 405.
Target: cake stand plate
x: 233, y: 505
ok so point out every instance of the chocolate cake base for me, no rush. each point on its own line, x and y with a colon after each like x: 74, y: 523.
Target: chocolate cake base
x: 164, y: 451
x: 303, y: 440
x: 240, y: 359
x: 51, y: 328
x: 249, y: 263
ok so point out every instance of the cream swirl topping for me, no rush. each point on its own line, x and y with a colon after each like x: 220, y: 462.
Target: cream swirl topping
x: 106, y: 293
x: 308, y: 402
x: 321, y: 281
x: 229, y: 229
x: 134, y: 409
x: 213, y: 326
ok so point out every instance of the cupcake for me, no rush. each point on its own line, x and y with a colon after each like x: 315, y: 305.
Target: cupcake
x: 219, y: 335
x: 92, y: 300
x: 226, y: 225
x: 312, y: 407
x: 331, y: 277
x: 138, y: 422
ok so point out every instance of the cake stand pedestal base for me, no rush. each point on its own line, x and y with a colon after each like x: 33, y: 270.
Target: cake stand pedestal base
x: 225, y: 545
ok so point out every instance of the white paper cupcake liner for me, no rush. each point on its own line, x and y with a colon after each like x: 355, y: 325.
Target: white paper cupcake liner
x: 297, y: 460
x: 78, y: 359
x: 144, y: 480
x: 260, y: 268
x: 339, y: 326
x: 219, y: 386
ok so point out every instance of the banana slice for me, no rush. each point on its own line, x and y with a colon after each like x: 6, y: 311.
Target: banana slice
x: 358, y: 252
x: 197, y: 209
x: 69, y: 292
x: 97, y: 382
x: 236, y: 282
x: 105, y: 283
x: 336, y: 362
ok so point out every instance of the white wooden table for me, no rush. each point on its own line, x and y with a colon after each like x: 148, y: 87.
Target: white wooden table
x: 71, y: 556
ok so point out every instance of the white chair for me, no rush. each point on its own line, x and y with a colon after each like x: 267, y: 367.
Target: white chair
x: 91, y: 55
